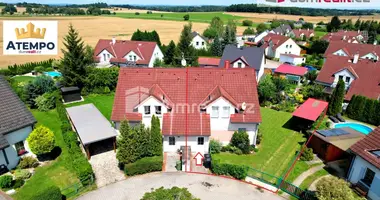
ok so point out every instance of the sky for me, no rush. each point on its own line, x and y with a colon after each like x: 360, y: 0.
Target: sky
x: 144, y: 2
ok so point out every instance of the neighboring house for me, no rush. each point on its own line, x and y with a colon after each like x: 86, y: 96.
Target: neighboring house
x: 362, y: 76
x: 299, y: 24
x: 208, y: 62
x: 198, y: 41
x: 347, y: 36
x: 292, y: 73
x: 284, y: 29
x: 244, y: 57
x: 292, y: 59
x: 201, y: 103
x: 16, y: 123
x: 126, y: 53
x: 348, y: 50
x: 275, y: 45
x: 365, y: 166
x: 303, y: 33
x: 242, y: 39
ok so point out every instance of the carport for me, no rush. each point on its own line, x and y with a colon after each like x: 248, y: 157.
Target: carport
x: 91, y: 126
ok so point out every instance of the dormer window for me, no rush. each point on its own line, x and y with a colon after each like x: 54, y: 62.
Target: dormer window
x: 348, y: 79
x: 214, y: 111
x: 158, y: 110
x: 340, y: 77
x: 226, y: 112
x: 147, y: 110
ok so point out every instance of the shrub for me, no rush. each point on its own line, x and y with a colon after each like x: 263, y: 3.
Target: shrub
x: 39, y: 86
x: 249, y: 31
x: 41, y: 140
x: 237, y: 151
x: 39, y: 69
x: 144, y: 165
x: 247, y: 23
x: 137, y: 13
x: 240, y: 139
x: 18, y: 183
x: 307, y: 154
x: 169, y: 194
x: 49, y: 193
x: 236, y: 171
x: 27, y: 162
x: 186, y: 17
x: 215, y: 146
x: 178, y: 165
x: 6, y: 181
x: 46, y: 101
x: 22, y: 174
x: 259, y: 137
x: 226, y: 148
x: 334, y: 188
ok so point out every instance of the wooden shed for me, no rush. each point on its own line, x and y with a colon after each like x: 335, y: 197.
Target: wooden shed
x: 71, y: 94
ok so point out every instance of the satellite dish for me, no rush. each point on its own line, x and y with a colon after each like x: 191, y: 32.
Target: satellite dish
x: 183, y: 62
x: 243, y: 106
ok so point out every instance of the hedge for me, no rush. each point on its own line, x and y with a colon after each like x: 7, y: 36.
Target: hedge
x: 144, y: 165
x: 77, y: 162
x: 49, y: 193
x: 25, y: 68
x: 236, y: 171
x: 364, y: 109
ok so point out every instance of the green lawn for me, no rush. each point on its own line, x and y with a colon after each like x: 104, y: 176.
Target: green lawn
x: 278, y: 148
x: 23, y: 79
x: 320, y: 33
x: 204, y: 17
x: 54, y: 173
x: 103, y: 102
x: 310, y: 179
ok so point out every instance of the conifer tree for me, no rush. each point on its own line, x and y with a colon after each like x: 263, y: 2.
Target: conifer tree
x: 169, y: 53
x: 125, y: 144
x: 350, y: 107
x: 216, y: 47
x: 337, y: 98
x: 377, y: 115
x: 156, y: 136
x: 184, y: 46
x: 74, y: 62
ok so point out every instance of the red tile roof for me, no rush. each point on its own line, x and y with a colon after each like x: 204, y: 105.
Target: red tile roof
x: 306, y: 32
x: 277, y: 40
x: 351, y: 48
x: 342, y: 35
x: 122, y: 47
x: 311, y: 109
x: 369, y: 143
x: 169, y: 84
x: 290, y: 69
x: 367, y: 72
x: 206, y: 61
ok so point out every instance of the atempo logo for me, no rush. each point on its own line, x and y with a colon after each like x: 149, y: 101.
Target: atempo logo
x: 30, y: 37
x: 320, y: 3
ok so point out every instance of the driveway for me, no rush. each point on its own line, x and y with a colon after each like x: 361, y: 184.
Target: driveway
x: 270, y: 64
x: 201, y: 186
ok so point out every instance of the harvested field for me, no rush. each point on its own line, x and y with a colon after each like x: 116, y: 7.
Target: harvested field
x: 92, y: 29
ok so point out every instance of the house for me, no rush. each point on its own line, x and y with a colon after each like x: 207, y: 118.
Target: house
x: 348, y: 50
x: 198, y: 41
x: 347, y: 36
x: 290, y: 72
x: 275, y: 45
x: 331, y: 145
x: 244, y: 57
x: 126, y: 53
x: 361, y: 76
x: 193, y: 104
x: 283, y: 29
x: 16, y: 123
x: 208, y: 62
x: 299, y: 23
x: 292, y: 59
x: 241, y: 39
x: 303, y: 33
x: 365, y: 166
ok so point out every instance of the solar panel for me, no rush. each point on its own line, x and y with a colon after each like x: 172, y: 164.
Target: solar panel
x: 333, y: 132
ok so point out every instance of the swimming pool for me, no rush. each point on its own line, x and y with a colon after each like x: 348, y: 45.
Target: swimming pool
x: 53, y: 74
x: 358, y: 127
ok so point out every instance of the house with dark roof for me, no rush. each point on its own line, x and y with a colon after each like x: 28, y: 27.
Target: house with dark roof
x: 361, y: 76
x: 347, y: 36
x: 348, y: 50
x: 125, y: 53
x: 283, y: 29
x: 16, y: 123
x: 364, y: 171
x: 275, y: 45
x: 198, y: 41
x: 193, y: 104
x: 244, y: 57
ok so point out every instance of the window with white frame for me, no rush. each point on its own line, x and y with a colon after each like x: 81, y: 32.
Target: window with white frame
x: 171, y: 141
x: 104, y: 57
x: 147, y: 110
x: 226, y: 111
x: 158, y: 110
x: 239, y: 64
x: 201, y: 140
x: 20, y: 148
x: 348, y: 79
x: 130, y: 57
x: 134, y: 58
x: 215, y: 111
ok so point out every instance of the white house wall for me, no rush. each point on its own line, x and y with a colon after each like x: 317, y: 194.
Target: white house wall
x: 293, y: 60
x: 357, y: 172
x: 131, y: 56
x: 157, y: 54
x: 288, y: 47
x: 192, y: 142
x: 259, y: 37
x: 198, y: 39
x: 370, y: 56
x: 340, y: 52
x: 107, y: 55
x: 236, y: 64
x: 152, y: 102
x: 344, y: 73
x: 260, y: 73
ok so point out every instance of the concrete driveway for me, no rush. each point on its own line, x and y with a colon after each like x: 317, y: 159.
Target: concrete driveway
x: 201, y: 186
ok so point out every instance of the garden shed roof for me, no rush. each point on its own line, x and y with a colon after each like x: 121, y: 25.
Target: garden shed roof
x: 311, y: 109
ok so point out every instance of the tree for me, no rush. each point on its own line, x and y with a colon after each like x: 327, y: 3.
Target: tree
x: 229, y: 36
x: 372, y: 37
x: 41, y: 140
x: 29, y: 10
x: 126, y: 146
x: 156, y: 136
x: 357, y: 24
x: 186, y: 17
x: 185, y: 48
x: 319, y: 46
x: 369, y: 111
x: 275, y: 24
x: 349, y: 110
x: 261, y: 28
x: 247, y: 23
x: 266, y: 89
x: 337, y: 99
x: 158, y: 63
x: 169, y: 53
x: 311, y: 75
x: 74, y: 62
x: 39, y: 86
x: 215, y: 28
x: 210, y: 33
x: 216, y: 47
x: 334, y: 188
x: 173, y: 193
x: 335, y: 23
x: 249, y: 31
x: 240, y: 139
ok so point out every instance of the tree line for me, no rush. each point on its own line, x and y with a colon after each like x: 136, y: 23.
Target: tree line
x: 175, y: 8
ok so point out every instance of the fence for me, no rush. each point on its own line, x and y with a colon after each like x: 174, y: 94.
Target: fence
x: 78, y: 187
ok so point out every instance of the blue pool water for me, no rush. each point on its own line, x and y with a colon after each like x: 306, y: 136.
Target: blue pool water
x: 359, y: 127
x: 53, y: 74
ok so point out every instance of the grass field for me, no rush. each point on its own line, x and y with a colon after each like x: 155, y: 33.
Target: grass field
x: 278, y: 148
x: 320, y: 33
x: 310, y: 179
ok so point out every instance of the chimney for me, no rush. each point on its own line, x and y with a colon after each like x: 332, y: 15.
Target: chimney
x: 226, y: 64
x: 356, y: 58
x: 113, y: 40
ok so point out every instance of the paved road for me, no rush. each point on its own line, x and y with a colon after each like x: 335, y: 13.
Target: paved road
x: 201, y: 186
